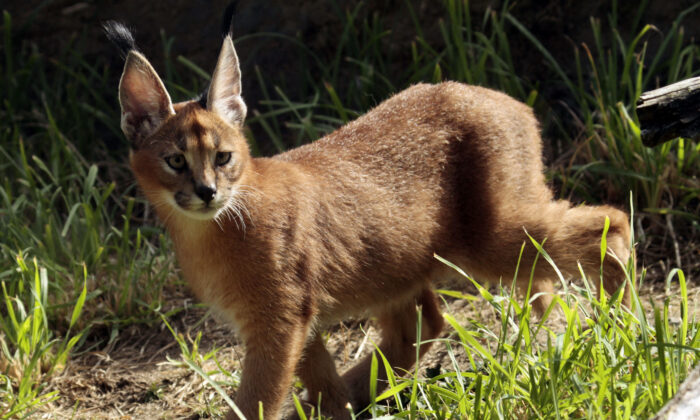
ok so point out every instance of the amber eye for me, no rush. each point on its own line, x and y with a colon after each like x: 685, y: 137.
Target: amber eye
x: 222, y: 158
x: 176, y: 161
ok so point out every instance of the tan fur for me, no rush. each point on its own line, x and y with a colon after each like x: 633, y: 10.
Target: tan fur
x: 347, y: 226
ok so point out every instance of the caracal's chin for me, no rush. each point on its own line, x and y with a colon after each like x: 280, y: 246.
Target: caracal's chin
x: 204, y: 213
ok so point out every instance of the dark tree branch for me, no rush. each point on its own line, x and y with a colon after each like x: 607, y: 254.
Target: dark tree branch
x: 669, y: 112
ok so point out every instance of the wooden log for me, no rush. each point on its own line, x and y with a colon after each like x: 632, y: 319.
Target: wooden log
x: 685, y: 404
x: 669, y: 112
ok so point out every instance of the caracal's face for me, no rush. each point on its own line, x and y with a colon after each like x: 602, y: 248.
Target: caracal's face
x: 187, y: 157
x: 192, y: 164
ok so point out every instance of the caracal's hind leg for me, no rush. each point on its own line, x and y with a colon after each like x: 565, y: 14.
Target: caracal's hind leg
x: 398, y: 327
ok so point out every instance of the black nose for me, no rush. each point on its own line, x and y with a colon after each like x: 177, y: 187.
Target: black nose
x: 205, y: 192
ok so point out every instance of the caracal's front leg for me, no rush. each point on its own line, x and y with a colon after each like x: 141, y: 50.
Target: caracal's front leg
x: 273, y: 350
x: 317, y: 371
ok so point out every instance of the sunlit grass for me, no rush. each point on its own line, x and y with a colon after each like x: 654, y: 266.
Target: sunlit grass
x: 622, y: 365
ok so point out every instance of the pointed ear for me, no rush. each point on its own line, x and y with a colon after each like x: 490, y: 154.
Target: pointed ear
x: 144, y: 101
x: 224, y: 96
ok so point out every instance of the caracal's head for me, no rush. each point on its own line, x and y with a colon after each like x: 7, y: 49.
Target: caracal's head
x: 189, y: 157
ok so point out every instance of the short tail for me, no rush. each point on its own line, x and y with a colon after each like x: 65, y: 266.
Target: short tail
x: 120, y: 36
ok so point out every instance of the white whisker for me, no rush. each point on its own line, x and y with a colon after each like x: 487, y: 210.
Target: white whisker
x: 218, y: 222
x: 236, y: 207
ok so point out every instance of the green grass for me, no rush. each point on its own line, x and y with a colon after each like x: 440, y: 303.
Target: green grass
x: 70, y: 240
x: 81, y: 256
x: 619, y: 366
x: 607, y: 83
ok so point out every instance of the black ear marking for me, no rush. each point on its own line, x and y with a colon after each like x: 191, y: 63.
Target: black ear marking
x: 202, y: 100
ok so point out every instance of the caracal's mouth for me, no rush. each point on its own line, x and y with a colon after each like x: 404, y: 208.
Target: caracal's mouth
x: 231, y: 207
x: 195, y: 208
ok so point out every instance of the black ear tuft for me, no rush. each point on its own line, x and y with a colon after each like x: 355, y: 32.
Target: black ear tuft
x: 227, y: 22
x: 226, y: 30
x: 120, y: 36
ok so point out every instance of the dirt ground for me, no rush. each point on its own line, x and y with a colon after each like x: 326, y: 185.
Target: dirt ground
x: 141, y: 375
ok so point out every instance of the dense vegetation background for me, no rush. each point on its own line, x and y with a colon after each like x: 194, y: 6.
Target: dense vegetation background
x: 81, y: 256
